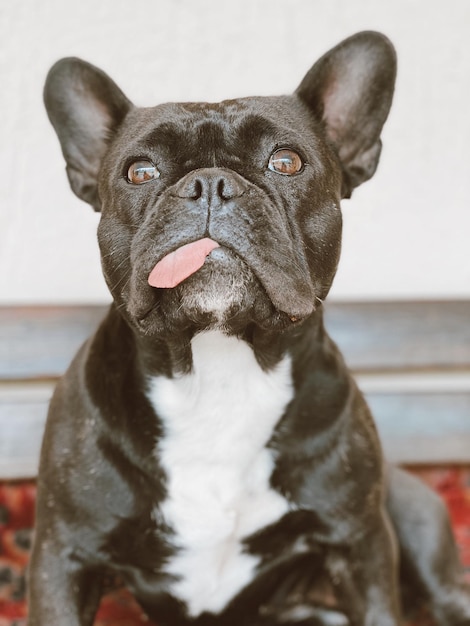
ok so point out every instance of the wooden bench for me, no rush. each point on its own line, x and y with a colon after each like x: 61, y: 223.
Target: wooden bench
x: 412, y: 360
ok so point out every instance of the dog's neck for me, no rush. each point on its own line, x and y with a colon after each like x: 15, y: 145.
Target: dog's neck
x: 172, y: 354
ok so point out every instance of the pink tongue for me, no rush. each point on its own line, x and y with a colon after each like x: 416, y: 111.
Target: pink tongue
x: 178, y: 265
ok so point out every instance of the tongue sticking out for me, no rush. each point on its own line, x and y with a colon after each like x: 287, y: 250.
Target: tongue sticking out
x: 178, y: 265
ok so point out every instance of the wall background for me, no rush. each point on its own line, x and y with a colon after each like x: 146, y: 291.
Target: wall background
x: 406, y: 231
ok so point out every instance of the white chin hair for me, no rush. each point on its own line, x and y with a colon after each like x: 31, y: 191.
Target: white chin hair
x: 219, y: 294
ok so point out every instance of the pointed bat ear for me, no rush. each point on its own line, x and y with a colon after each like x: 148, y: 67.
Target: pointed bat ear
x: 85, y: 107
x: 350, y: 90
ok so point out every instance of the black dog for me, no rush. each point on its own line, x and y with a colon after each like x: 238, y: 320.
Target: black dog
x: 208, y: 444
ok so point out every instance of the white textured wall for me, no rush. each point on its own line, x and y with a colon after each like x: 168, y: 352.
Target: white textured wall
x: 406, y: 232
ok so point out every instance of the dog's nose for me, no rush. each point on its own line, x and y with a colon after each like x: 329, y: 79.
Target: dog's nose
x: 210, y: 186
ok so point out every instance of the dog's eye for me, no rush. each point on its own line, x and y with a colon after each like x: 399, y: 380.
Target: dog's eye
x: 285, y: 161
x: 141, y: 172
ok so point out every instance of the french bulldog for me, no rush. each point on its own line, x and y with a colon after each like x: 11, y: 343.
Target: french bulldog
x: 208, y: 445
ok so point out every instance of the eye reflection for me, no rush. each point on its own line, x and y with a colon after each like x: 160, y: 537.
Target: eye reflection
x: 141, y: 172
x: 285, y: 161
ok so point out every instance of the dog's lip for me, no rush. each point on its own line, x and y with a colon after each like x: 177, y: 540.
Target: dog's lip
x: 296, y: 309
x: 305, y: 306
x: 153, y: 306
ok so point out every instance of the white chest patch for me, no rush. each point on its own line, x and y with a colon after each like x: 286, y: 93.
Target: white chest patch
x: 217, y: 421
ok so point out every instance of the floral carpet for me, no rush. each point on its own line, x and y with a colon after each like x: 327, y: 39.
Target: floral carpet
x: 17, y: 502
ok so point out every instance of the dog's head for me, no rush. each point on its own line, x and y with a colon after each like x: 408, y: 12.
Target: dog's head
x: 223, y: 213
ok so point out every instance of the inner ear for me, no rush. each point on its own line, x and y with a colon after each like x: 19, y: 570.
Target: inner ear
x: 350, y: 90
x: 85, y: 107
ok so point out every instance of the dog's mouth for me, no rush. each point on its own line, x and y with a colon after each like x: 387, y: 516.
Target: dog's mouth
x: 204, y: 284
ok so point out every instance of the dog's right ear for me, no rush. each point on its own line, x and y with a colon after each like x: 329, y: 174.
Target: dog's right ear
x: 85, y: 107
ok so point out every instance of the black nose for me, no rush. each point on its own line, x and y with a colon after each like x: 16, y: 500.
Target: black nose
x: 210, y: 186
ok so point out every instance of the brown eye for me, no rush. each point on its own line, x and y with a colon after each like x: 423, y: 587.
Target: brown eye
x: 285, y: 161
x: 141, y: 172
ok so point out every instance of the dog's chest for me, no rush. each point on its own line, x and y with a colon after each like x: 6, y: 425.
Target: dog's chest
x: 217, y: 422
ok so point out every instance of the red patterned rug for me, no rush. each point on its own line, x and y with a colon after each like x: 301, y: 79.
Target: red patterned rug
x: 17, y: 502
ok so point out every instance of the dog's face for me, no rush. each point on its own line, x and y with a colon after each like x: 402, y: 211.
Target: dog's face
x: 223, y: 214
x: 252, y: 175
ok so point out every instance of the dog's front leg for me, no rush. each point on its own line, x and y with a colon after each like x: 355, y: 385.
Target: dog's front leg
x: 377, y: 568
x: 61, y: 591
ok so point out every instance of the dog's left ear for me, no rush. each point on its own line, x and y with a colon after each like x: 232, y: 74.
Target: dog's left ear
x: 85, y: 107
x: 350, y: 90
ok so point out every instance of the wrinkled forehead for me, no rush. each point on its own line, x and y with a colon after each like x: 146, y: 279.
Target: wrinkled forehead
x: 232, y: 125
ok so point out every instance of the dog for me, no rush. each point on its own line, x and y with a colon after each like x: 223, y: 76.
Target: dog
x: 208, y: 445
